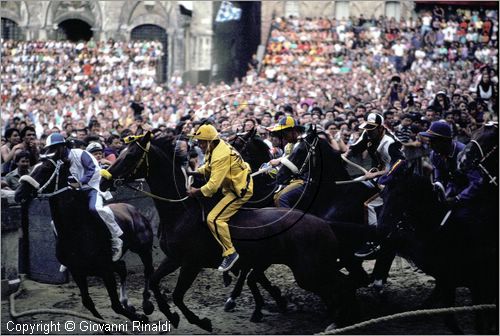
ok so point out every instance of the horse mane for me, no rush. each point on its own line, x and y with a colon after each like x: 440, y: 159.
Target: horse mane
x: 260, y: 144
x: 334, y: 164
x: 487, y: 136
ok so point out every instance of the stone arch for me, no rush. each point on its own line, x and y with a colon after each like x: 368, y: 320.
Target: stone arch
x: 90, y: 12
x: 380, y: 8
x: 355, y: 9
x: 131, y: 15
x: 153, y: 19
x: 16, y: 11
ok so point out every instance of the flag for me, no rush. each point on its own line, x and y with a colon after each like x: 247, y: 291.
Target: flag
x: 186, y: 7
x: 228, y: 12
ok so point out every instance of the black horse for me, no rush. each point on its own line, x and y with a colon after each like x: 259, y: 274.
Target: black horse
x: 83, y: 244
x: 256, y: 152
x: 456, y: 253
x: 343, y: 204
x: 262, y: 237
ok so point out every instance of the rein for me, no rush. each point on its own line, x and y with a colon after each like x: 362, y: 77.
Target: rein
x: 145, y: 157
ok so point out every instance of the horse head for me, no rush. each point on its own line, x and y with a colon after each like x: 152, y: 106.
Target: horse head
x: 314, y: 156
x: 47, y: 177
x: 143, y: 158
x: 410, y: 201
x: 252, y: 148
x: 482, y: 152
x: 132, y: 163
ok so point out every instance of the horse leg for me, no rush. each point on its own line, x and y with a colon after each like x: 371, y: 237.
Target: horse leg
x: 382, y: 266
x: 274, y: 291
x: 347, y: 305
x: 147, y: 261
x: 259, y: 300
x: 354, y: 266
x: 434, y: 297
x: 116, y: 305
x: 121, y: 269
x: 231, y: 302
x: 450, y: 320
x: 81, y: 281
x: 186, y: 277
x: 166, y: 267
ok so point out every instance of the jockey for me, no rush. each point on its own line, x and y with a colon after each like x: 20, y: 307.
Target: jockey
x: 461, y: 187
x: 85, y: 170
x: 287, y: 131
x: 384, y: 149
x: 227, y: 170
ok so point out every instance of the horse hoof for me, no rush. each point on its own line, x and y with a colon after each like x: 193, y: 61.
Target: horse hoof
x: 257, y: 316
x: 331, y: 327
x: 130, y: 309
x: 282, y: 305
x: 148, y: 307
x: 230, y: 304
x: 378, y: 285
x: 227, y: 279
x: 174, y: 319
x: 205, y: 324
x: 143, y: 319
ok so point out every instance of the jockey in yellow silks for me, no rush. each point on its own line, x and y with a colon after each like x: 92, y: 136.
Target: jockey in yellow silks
x: 227, y: 170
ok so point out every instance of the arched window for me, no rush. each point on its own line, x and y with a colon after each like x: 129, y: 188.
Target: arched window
x: 341, y: 9
x: 11, y: 30
x: 150, y: 32
x: 393, y: 9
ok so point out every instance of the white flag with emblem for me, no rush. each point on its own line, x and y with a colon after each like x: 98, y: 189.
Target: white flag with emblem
x: 228, y: 12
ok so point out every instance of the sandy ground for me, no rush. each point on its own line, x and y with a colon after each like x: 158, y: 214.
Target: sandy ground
x: 306, y: 314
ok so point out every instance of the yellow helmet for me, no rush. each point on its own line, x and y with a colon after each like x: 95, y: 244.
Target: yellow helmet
x: 285, y: 123
x: 206, y: 132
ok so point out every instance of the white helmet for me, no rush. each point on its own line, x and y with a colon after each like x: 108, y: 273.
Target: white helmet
x: 94, y: 147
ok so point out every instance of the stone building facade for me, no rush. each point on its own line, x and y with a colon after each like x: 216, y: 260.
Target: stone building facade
x: 188, y: 39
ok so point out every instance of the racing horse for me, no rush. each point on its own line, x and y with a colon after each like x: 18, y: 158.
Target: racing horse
x: 256, y: 152
x: 456, y: 252
x: 83, y: 243
x: 322, y: 168
x: 262, y: 237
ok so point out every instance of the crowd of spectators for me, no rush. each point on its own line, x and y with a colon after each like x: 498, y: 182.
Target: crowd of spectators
x: 322, y: 71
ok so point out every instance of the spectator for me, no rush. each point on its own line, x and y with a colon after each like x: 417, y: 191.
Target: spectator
x: 12, y: 146
x: 28, y: 136
x: 113, y: 147
x: 22, y: 161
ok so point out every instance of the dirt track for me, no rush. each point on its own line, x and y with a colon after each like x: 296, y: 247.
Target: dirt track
x: 306, y: 314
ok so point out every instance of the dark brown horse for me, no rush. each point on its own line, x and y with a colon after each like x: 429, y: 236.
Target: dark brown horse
x: 83, y: 243
x: 262, y: 237
x: 457, y: 251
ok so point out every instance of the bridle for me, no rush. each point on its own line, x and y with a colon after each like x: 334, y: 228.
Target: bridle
x: 144, y: 158
x: 479, y: 162
x: 239, y: 137
x: 311, y: 153
x: 55, y: 175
